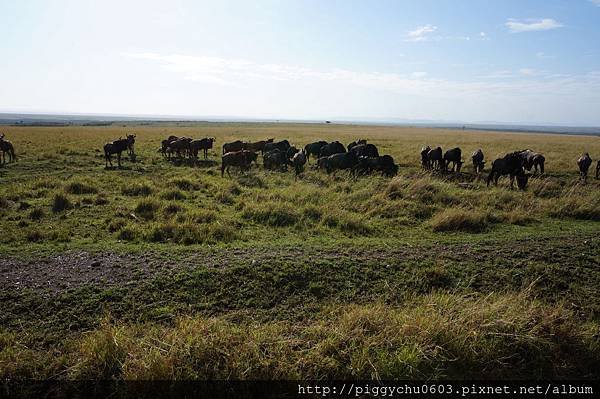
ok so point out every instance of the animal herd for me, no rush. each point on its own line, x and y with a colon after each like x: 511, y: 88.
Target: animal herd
x: 358, y: 157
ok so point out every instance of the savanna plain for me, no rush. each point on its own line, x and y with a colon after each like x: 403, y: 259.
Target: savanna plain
x: 166, y: 270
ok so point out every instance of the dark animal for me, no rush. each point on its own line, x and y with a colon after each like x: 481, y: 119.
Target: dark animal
x: 115, y: 147
x: 342, y: 160
x: 314, y: 149
x: 598, y: 170
x: 202, y: 144
x: 355, y: 143
x: 512, y: 165
x: 234, y: 146
x: 425, y: 158
x: 130, y: 143
x: 275, y: 159
x: 533, y: 160
x: 332, y: 148
x: 298, y: 161
x: 478, y: 161
x: 454, y: 155
x: 258, y: 146
x: 365, y: 150
x: 242, y: 159
x: 584, y: 162
x: 165, y: 147
x: 7, y: 148
x: 384, y: 164
x: 291, y: 152
x: 282, y: 145
x: 181, y: 146
x: 434, y: 158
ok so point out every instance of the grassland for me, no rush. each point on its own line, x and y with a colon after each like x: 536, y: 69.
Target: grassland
x: 163, y: 270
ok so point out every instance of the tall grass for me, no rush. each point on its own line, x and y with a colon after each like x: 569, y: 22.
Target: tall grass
x: 509, y: 335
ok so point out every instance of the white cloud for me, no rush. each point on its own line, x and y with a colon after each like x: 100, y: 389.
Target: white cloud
x: 420, y: 34
x: 527, y: 71
x: 543, y: 56
x: 596, y: 2
x: 418, y: 74
x: 532, y: 25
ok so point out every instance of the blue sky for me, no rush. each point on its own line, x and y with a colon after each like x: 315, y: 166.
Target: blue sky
x: 534, y: 61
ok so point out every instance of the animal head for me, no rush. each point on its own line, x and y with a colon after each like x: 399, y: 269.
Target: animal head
x: 270, y: 140
x: 212, y: 139
x: 2, y: 136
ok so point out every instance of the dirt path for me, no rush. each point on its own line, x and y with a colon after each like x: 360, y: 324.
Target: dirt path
x: 75, y: 269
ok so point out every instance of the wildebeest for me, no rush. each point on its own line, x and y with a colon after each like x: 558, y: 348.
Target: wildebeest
x: 455, y: 156
x: 598, y: 169
x: 130, y: 143
x: 242, y: 159
x: 165, y: 147
x: 511, y: 164
x: 334, y: 147
x: 204, y: 144
x: 282, y: 145
x: 7, y: 148
x: 384, y: 164
x: 355, y: 143
x: 181, y: 145
x: 342, y: 160
x: 298, y: 160
x: 115, y: 147
x: 584, y: 162
x: 275, y: 159
x: 425, y: 158
x: 434, y: 158
x: 291, y: 152
x: 478, y: 161
x: 258, y: 146
x: 234, y: 146
x: 533, y: 160
x: 365, y: 150
x: 314, y: 149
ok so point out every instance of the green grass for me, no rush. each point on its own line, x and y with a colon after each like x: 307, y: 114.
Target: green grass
x: 319, y: 277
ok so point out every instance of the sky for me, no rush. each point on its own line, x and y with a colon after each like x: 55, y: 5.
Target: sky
x: 507, y: 61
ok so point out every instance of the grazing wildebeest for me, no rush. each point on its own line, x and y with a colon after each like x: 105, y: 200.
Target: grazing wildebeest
x: 181, y: 145
x: 332, y: 148
x: 7, y: 148
x: 434, y: 157
x: 258, y: 146
x: 322, y: 163
x: 275, y: 159
x: 291, y: 152
x: 425, y: 158
x: 365, y: 150
x: 242, y: 159
x: 314, y: 149
x: 598, y: 169
x: 584, y: 162
x: 533, y: 160
x: 115, y: 147
x: 342, y: 160
x: 298, y: 160
x: 234, y: 146
x: 454, y: 155
x: 478, y: 161
x: 511, y: 164
x: 355, y: 143
x: 384, y: 164
x: 202, y: 144
x: 282, y: 145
